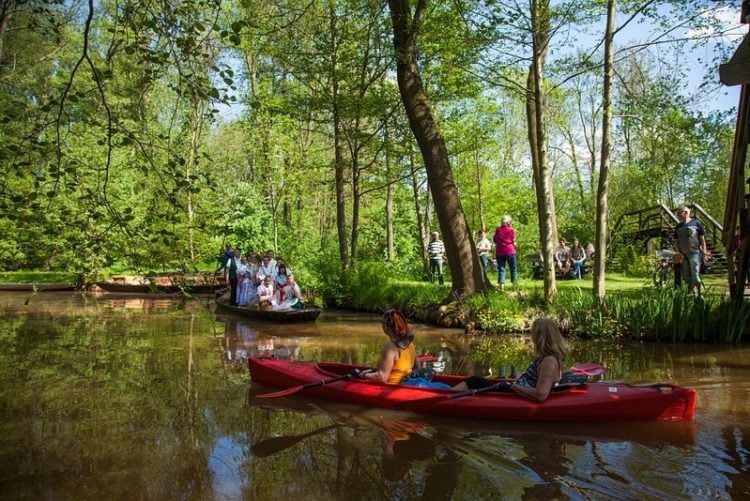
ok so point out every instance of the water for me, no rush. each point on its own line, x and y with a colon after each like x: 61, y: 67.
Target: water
x: 104, y: 398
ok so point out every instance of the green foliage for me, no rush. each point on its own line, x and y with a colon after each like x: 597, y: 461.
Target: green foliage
x: 501, y: 313
x: 673, y: 315
x: 375, y: 286
x: 629, y: 259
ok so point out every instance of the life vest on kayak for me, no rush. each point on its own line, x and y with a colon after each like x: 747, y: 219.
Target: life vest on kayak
x: 403, y: 366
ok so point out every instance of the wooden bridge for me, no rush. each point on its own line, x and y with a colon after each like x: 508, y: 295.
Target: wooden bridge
x: 658, y: 222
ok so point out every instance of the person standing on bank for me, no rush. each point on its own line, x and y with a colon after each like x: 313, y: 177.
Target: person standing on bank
x: 505, y: 251
x: 690, y: 243
x: 483, y: 249
x: 436, y: 253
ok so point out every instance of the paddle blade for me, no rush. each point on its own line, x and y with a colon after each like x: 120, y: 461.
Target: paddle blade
x: 589, y: 369
x: 295, y: 389
x: 282, y: 393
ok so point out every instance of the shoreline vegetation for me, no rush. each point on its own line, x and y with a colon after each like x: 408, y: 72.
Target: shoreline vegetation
x: 634, y: 310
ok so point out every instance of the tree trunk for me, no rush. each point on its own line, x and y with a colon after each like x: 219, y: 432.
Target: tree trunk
x: 390, y: 250
x: 535, y: 114
x: 196, y: 126
x: 480, y: 200
x: 356, y: 203
x: 466, y: 270
x: 421, y: 215
x: 7, y: 8
x: 338, y: 149
x: 602, y: 208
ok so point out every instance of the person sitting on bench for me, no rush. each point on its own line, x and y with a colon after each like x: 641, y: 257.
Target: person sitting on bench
x: 562, y: 258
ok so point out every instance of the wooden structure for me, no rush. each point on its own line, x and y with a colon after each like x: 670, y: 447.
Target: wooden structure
x: 659, y: 221
x: 309, y: 314
x: 736, y: 215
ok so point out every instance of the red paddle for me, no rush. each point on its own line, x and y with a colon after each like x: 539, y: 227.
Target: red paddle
x: 589, y: 369
x: 295, y: 389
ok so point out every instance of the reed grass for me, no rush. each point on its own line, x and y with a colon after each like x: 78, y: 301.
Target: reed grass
x: 634, y: 310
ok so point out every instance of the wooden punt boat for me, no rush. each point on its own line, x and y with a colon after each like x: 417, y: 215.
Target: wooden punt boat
x: 161, y: 285
x: 125, y: 288
x: 39, y: 287
x: 592, y: 402
x: 290, y: 316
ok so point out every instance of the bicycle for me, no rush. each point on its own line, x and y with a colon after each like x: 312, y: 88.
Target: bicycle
x: 663, y: 272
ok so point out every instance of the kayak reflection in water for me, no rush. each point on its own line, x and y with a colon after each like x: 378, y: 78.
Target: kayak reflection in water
x: 443, y: 464
x: 539, y: 378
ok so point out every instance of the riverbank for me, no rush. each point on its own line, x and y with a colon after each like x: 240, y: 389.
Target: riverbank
x: 634, y: 309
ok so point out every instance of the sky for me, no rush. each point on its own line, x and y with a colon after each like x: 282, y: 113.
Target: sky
x: 716, y: 97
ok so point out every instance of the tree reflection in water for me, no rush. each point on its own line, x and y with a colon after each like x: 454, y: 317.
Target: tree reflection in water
x: 105, y: 399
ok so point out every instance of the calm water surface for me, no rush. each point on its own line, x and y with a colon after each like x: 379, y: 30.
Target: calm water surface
x: 107, y: 398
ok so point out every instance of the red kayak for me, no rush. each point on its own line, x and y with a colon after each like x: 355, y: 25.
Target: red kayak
x: 599, y: 401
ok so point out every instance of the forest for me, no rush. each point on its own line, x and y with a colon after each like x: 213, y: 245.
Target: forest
x: 142, y: 135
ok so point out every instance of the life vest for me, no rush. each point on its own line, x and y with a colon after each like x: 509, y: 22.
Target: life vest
x: 403, y: 366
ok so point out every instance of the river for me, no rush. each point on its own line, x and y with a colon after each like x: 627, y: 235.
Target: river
x: 149, y: 398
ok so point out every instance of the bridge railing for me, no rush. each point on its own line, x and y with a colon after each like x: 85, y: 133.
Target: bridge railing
x: 655, y: 218
x: 713, y: 229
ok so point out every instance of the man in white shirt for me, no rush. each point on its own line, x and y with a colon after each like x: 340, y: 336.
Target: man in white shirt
x: 436, y: 253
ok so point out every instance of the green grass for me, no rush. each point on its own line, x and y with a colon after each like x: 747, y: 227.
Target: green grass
x: 30, y: 277
x: 634, y: 308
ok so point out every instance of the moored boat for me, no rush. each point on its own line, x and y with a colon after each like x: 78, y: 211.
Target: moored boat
x: 166, y: 284
x: 592, y: 402
x: 124, y: 287
x: 291, y: 315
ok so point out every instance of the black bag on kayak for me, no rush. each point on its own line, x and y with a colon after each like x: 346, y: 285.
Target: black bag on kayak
x: 425, y: 373
x: 570, y: 380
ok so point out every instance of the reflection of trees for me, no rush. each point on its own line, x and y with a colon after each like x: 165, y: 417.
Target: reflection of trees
x: 736, y: 446
x: 547, y: 458
x: 95, y: 409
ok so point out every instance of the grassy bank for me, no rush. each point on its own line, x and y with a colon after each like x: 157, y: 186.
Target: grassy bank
x: 634, y: 308
x: 35, y: 277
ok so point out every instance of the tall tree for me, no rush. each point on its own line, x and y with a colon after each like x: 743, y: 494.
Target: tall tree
x: 602, y: 201
x: 466, y: 270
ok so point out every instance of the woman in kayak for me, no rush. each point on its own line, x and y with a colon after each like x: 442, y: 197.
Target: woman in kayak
x: 537, y: 381
x: 399, y: 356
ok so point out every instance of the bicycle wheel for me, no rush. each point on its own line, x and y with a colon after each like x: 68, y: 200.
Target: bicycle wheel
x: 660, y: 277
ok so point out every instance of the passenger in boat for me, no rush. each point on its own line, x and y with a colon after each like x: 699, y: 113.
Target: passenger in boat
x: 399, y: 356
x: 281, y: 280
x: 292, y: 297
x: 272, y: 262
x: 252, y: 288
x: 539, y: 378
x: 265, y: 294
x: 243, y: 280
x: 266, y: 269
